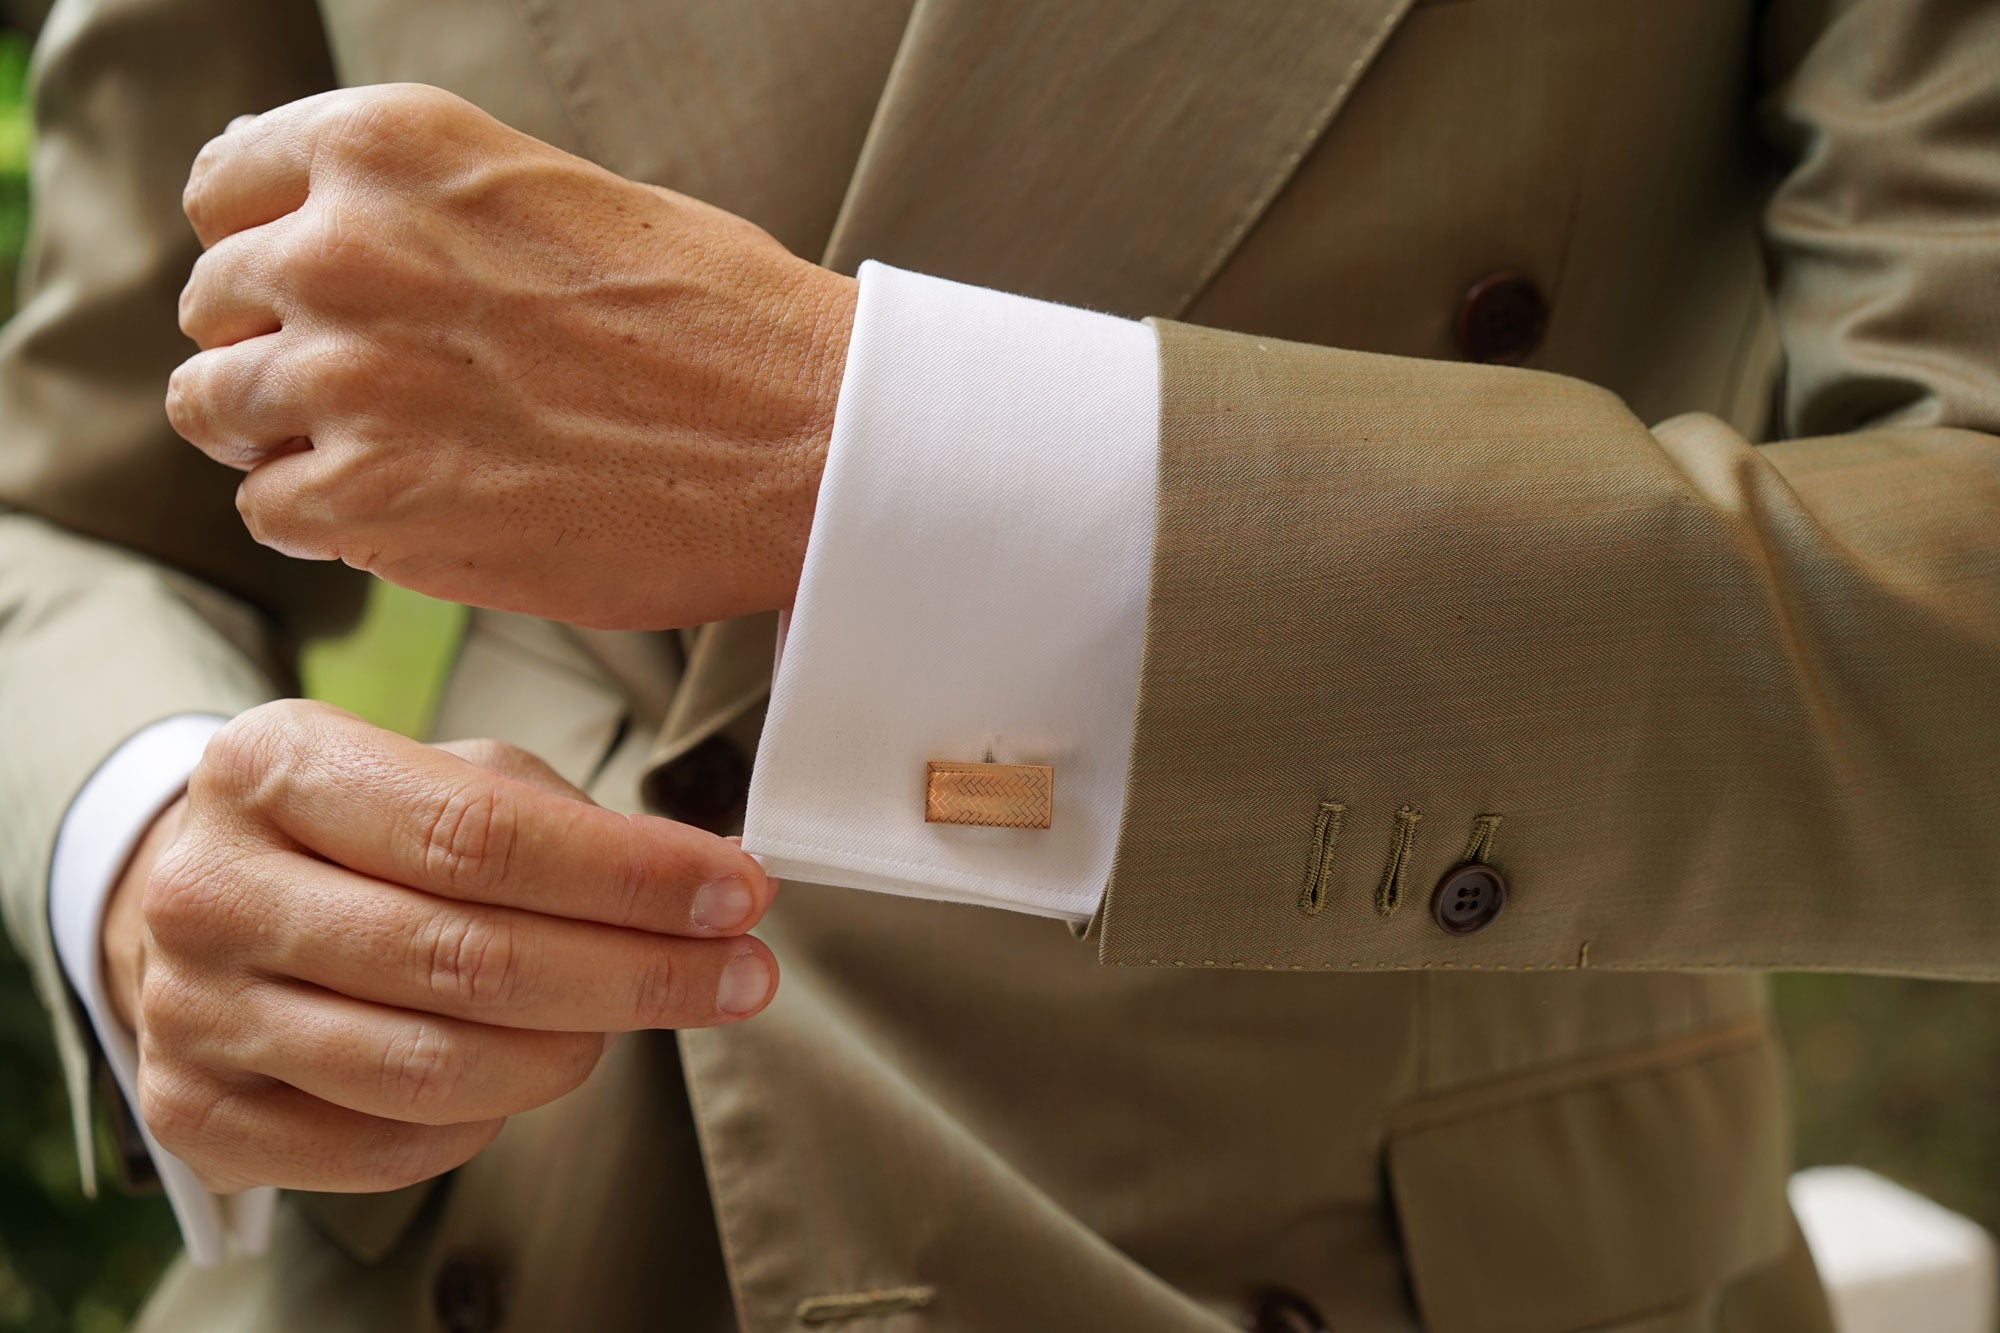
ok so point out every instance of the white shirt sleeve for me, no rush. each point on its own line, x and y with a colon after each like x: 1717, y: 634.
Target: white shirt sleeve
x: 974, y: 589
x: 99, y: 832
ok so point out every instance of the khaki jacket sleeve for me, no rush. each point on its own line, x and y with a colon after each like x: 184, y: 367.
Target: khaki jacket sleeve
x: 128, y: 589
x: 1733, y: 706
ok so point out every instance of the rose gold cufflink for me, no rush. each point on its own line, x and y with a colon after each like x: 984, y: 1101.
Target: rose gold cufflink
x: 989, y: 795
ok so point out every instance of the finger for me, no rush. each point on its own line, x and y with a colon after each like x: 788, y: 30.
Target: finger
x: 395, y: 946
x: 240, y: 1135
x: 240, y: 404
x: 513, y: 762
x: 420, y: 1068
x: 284, y: 502
x: 230, y: 295
x: 404, y: 812
x: 254, y: 172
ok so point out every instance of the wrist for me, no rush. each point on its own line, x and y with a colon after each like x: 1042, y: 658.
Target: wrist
x: 826, y: 306
x: 833, y: 298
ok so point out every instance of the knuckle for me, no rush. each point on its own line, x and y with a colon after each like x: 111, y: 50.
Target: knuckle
x: 197, y: 194
x: 161, y: 1018
x: 363, y: 124
x: 180, y: 900
x: 362, y: 554
x: 349, y: 379
x: 249, y: 761
x: 185, y: 309
x: 422, y: 1070
x: 635, y: 888
x: 365, y: 553
x: 264, y: 512
x: 349, y: 372
x: 419, y: 1153
x: 282, y: 512
x: 362, y: 471
x: 403, y: 1161
x: 268, y: 513
x: 425, y: 99
x: 187, y: 404
x: 326, y: 250
x: 205, y: 901
x: 483, y: 751
x: 386, y: 115
x: 658, y: 999
x: 468, y: 840
x: 177, y: 1107
x: 207, y: 279
x: 471, y: 959
x: 340, y: 242
x: 240, y: 750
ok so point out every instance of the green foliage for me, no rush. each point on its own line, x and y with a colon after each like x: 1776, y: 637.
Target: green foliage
x: 14, y: 138
x: 390, y: 669
x: 1902, y: 1077
x: 66, y: 1262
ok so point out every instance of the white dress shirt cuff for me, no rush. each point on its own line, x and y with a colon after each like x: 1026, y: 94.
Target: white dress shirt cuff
x: 974, y: 589
x: 102, y: 827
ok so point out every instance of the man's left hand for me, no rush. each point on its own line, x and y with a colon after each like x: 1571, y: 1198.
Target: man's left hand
x: 489, y: 370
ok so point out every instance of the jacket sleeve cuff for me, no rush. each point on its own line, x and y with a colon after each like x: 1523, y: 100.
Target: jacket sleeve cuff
x: 974, y: 590
x: 98, y: 834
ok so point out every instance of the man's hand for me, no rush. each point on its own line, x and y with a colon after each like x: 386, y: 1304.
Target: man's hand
x: 349, y: 957
x: 491, y: 371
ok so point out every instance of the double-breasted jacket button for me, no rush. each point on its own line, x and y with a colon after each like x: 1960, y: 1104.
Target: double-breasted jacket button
x: 1469, y: 898
x: 705, y: 787
x: 1502, y: 318
x: 1280, y: 1311
x: 466, y: 1296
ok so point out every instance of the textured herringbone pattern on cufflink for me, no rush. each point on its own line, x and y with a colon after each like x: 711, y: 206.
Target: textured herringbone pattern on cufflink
x: 989, y: 795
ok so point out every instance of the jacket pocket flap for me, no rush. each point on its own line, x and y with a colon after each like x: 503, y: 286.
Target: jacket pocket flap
x: 1624, y: 1190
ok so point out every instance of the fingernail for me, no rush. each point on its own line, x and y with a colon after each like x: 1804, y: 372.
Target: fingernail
x: 745, y: 984
x: 722, y: 905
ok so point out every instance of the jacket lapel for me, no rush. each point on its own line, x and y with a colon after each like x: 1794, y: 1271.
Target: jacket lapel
x: 759, y: 107
x: 1110, y: 154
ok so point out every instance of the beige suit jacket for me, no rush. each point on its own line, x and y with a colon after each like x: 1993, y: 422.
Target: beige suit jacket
x: 1719, y: 645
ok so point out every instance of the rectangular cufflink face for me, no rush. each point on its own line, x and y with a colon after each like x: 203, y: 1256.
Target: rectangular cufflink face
x: 989, y: 795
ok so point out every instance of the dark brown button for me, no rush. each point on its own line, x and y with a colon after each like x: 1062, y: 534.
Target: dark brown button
x: 1502, y: 318
x: 1469, y: 898
x: 465, y: 1295
x: 705, y: 787
x: 1279, y: 1311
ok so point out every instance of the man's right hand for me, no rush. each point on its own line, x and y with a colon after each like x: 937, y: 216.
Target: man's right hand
x: 348, y: 956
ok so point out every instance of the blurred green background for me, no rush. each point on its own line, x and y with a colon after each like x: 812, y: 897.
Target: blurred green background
x: 1900, y: 1076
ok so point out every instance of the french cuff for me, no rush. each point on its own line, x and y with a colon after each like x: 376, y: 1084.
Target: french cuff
x: 974, y: 593
x: 99, y: 832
